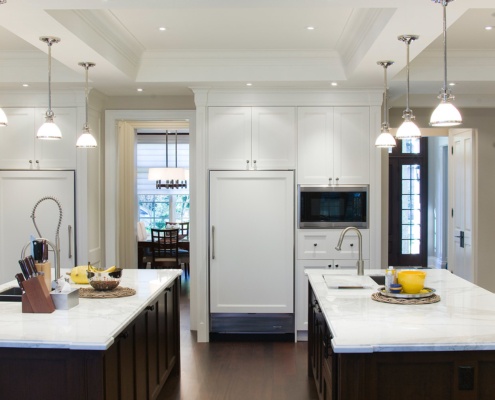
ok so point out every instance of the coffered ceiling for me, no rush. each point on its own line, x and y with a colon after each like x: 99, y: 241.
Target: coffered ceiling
x: 225, y: 43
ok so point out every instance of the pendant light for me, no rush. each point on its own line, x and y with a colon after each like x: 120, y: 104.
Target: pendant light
x: 86, y: 140
x: 408, y: 129
x: 385, y: 139
x: 445, y: 114
x: 174, y: 178
x: 49, y: 131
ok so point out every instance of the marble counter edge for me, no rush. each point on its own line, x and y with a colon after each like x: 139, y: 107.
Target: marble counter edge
x: 101, y: 342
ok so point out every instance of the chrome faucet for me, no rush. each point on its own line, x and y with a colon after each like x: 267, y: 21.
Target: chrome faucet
x: 360, y: 262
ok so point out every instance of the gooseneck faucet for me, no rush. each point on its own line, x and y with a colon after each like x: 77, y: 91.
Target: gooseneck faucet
x: 360, y: 262
x: 56, y: 247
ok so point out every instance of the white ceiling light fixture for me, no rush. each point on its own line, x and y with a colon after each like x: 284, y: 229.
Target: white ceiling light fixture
x: 174, y: 178
x: 408, y: 129
x: 49, y: 130
x: 86, y: 140
x: 385, y: 139
x: 446, y: 114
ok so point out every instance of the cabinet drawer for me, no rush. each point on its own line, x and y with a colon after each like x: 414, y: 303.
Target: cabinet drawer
x: 320, y: 244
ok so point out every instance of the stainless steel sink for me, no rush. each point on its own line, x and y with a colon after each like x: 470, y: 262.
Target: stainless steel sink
x: 11, y: 294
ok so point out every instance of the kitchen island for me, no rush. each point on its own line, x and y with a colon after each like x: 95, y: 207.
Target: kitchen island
x: 363, y: 349
x: 116, y: 348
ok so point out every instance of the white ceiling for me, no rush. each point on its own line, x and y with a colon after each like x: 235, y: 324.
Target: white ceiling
x: 225, y: 43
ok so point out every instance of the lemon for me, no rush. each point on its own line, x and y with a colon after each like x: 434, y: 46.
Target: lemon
x: 79, y: 274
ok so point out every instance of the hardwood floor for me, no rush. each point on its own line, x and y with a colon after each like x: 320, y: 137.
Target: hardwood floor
x: 238, y: 371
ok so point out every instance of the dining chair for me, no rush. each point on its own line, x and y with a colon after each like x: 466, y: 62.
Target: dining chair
x: 183, y: 250
x: 165, y: 249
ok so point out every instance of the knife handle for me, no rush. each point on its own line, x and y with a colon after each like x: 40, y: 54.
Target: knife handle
x: 31, y: 265
x: 24, y: 269
x: 20, y: 280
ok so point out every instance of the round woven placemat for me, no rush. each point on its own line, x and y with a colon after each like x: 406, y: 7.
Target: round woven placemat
x: 391, y: 300
x: 119, y: 291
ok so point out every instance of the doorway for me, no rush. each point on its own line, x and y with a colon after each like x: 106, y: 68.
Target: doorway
x: 408, y: 199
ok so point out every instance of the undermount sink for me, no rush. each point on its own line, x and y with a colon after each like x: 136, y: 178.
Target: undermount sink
x: 379, y: 279
x: 11, y: 294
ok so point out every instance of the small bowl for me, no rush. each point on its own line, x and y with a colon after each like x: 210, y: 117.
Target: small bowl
x: 412, y: 281
x: 101, y: 280
x: 395, y: 288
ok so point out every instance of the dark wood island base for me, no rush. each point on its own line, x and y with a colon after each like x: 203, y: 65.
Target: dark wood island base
x: 456, y: 375
x: 136, y: 366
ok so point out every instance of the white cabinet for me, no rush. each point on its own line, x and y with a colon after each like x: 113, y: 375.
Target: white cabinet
x: 333, y: 145
x: 250, y: 138
x: 19, y: 148
x: 319, y: 244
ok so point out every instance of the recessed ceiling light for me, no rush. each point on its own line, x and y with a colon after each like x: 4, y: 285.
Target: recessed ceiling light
x: 162, y: 28
x: 334, y: 84
x: 310, y: 28
x: 139, y: 89
x: 488, y: 28
x: 249, y: 84
x: 25, y: 85
x: 452, y: 84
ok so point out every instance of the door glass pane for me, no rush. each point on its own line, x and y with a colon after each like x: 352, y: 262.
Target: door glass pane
x: 411, y: 209
x: 411, y: 146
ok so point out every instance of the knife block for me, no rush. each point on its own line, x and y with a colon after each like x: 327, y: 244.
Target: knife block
x: 36, y: 298
x: 46, y: 268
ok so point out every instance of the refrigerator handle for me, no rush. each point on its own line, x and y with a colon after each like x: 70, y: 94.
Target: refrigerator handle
x: 213, y: 242
x: 70, y: 241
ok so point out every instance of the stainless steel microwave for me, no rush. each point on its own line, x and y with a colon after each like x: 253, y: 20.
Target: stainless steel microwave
x: 333, y: 207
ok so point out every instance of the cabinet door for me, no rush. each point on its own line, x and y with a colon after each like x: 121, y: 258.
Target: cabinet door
x: 57, y: 153
x: 351, y: 145
x: 229, y: 138
x: 273, y: 138
x: 314, y: 145
x: 17, y: 139
x: 349, y: 264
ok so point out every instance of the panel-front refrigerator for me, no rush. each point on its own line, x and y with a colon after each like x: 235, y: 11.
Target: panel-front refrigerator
x: 251, y: 246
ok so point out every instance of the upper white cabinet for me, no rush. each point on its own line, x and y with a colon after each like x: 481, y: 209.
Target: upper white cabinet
x: 333, y: 145
x: 19, y: 148
x: 254, y: 138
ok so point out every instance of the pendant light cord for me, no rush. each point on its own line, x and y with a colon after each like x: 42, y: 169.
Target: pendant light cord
x: 49, y: 111
x: 444, y: 6
x: 86, y: 67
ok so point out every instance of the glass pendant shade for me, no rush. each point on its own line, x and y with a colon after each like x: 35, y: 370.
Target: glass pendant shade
x: 166, y: 174
x: 445, y: 115
x: 385, y: 140
x: 86, y: 140
x: 408, y: 130
x: 49, y: 130
x: 3, y: 118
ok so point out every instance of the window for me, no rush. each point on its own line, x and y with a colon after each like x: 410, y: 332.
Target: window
x: 407, y: 203
x: 159, y: 206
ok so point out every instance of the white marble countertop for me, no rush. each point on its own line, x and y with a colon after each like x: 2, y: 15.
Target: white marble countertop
x: 464, y: 319
x: 91, y: 325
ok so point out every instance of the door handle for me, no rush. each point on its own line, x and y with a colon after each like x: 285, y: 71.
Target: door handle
x: 213, y: 242
x: 461, y: 238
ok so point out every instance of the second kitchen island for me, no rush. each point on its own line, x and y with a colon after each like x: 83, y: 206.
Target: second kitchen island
x: 362, y: 349
x: 116, y: 348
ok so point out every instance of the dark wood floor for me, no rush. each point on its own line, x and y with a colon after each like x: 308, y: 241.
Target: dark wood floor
x: 238, y: 371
